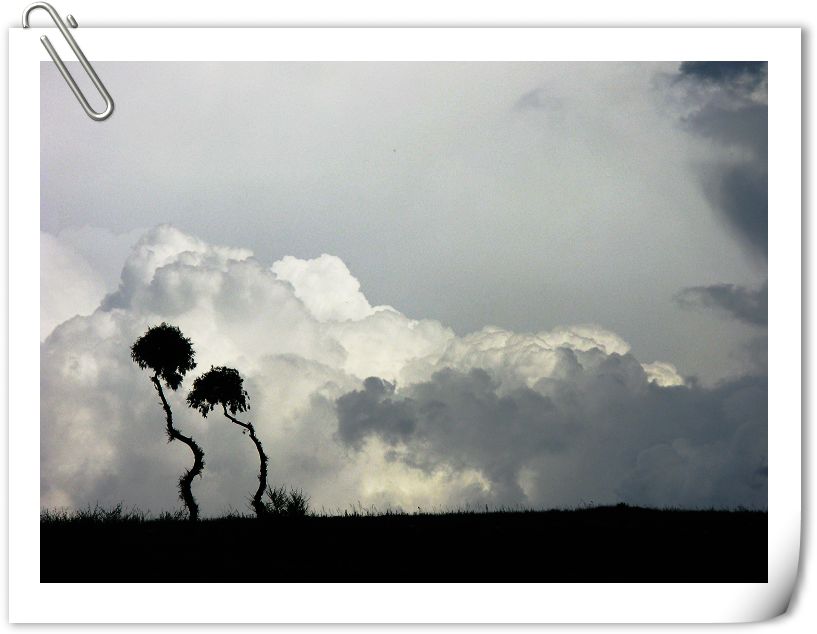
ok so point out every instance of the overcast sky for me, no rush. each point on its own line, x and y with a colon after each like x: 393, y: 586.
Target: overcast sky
x: 491, y: 241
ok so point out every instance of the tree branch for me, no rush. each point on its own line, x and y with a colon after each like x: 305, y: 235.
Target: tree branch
x: 185, y: 482
x: 257, y: 504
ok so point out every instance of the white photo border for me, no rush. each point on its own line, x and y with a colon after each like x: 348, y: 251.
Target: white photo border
x: 31, y: 601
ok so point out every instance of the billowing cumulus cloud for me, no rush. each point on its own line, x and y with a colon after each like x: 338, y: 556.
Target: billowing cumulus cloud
x: 325, y: 285
x: 727, y: 102
x: 355, y: 402
x: 596, y: 428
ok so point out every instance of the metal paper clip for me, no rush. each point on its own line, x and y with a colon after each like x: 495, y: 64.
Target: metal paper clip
x: 96, y: 116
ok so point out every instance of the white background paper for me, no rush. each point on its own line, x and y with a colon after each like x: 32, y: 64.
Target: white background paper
x: 99, y: 14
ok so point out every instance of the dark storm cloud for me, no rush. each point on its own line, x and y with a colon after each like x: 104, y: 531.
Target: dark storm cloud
x: 741, y: 193
x: 748, y: 130
x: 457, y: 419
x: 625, y: 437
x: 372, y: 410
x: 726, y: 72
x: 741, y: 303
x: 729, y: 106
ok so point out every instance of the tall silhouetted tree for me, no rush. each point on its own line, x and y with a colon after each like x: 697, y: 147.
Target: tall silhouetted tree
x: 169, y: 354
x: 225, y: 387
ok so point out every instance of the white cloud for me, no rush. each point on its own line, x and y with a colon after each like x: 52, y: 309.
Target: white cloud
x: 68, y: 284
x: 325, y: 285
x: 495, y: 416
x: 663, y: 373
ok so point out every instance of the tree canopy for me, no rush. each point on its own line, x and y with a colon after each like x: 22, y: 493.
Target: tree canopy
x: 166, y: 351
x: 219, y: 386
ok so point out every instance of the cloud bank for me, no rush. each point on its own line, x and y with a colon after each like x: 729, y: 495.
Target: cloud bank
x: 355, y: 402
x: 744, y: 304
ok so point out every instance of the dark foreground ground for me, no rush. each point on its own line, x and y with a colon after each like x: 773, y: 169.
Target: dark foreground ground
x: 605, y: 544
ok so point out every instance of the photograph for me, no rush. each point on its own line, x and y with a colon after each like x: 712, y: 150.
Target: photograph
x: 405, y: 322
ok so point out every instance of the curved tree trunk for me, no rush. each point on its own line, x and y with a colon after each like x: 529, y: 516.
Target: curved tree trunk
x: 186, y: 480
x: 257, y: 504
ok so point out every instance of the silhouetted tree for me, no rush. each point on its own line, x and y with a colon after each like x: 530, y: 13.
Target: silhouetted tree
x: 170, y: 355
x: 225, y: 387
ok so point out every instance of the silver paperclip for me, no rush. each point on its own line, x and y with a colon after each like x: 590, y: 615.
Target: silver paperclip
x: 96, y: 116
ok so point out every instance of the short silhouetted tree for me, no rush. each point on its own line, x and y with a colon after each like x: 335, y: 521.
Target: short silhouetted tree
x: 169, y: 355
x: 225, y: 387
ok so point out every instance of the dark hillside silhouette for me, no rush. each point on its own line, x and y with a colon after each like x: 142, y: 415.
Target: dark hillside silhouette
x: 170, y: 355
x: 224, y: 386
x: 602, y: 544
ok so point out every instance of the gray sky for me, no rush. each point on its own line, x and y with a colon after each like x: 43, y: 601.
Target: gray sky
x: 576, y: 249
x: 522, y: 195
